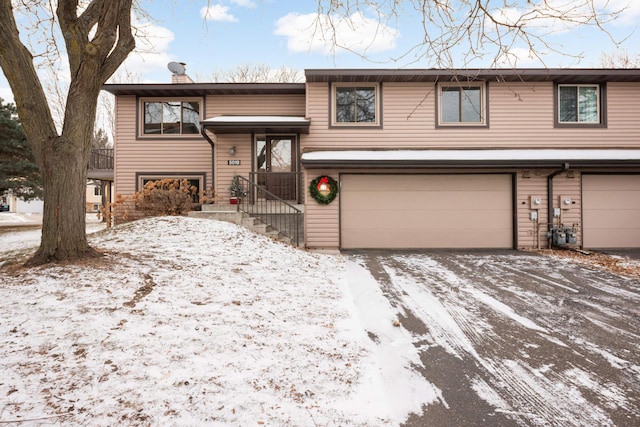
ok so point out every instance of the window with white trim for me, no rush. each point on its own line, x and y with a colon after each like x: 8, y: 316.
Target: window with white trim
x: 579, y: 104
x: 462, y: 104
x: 356, y: 104
x: 170, y: 117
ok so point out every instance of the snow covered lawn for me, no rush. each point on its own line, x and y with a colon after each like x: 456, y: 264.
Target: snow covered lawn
x: 198, y: 322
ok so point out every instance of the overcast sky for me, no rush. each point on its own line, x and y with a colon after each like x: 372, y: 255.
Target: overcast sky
x: 279, y: 33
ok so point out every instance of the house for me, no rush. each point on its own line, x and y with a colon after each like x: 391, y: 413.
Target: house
x: 496, y: 158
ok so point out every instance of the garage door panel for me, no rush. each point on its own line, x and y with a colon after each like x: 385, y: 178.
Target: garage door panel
x: 611, y: 211
x: 433, y: 238
x: 614, y: 238
x: 611, y: 219
x: 615, y: 199
x: 434, y: 211
x: 415, y: 221
x: 425, y: 199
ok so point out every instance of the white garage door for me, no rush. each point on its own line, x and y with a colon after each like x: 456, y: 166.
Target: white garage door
x: 611, y: 211
x: 426, y: 211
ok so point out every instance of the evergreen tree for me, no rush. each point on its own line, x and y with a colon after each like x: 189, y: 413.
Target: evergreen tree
x: 18, y: 170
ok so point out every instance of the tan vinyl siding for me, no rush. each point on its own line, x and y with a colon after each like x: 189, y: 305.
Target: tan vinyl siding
x: 520, y: 116
x: 225, y: 172
x: 153, y: 155
x: 534, y: 183
x: 265, y: 105
x: 531, y: 183
x: 193, y: 154
x: 567, y: 185
x: 322, y: 229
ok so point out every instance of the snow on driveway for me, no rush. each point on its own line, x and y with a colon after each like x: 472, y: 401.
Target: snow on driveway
x: 517, y: 339
x: 196, y: 322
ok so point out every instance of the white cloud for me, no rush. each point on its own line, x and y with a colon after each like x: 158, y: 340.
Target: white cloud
x: 150, y: 55
x: 518, y: 57
x: 629, y: 10
x: 244, y: 3
x: 562, y: 15
x: 319, y: 33
x: 217, y: 12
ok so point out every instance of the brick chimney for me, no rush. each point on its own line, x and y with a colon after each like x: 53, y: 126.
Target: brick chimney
x: 178, y: 72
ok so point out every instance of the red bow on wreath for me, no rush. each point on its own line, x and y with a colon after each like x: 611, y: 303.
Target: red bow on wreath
x: 323, y: 184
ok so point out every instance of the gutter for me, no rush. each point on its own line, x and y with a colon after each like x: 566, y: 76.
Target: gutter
x: 213, y: 158
x: 565, y: 167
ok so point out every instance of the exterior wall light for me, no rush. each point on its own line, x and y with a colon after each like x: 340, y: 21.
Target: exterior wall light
x: 232, y: 150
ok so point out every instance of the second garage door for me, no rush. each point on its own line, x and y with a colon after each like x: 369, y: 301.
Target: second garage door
x: 426, y: 211
x: 611, y: 211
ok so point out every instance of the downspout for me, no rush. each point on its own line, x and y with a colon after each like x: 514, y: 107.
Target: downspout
x: 213, y: 157
x: 565, y: 167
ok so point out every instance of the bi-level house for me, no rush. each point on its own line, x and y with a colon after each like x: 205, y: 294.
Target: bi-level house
x: 381, y: 158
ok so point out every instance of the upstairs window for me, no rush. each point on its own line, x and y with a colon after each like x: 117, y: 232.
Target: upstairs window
x: 356, y: 105
x: 579, y: 104
x: 462, y: 104
x: 170, y: 117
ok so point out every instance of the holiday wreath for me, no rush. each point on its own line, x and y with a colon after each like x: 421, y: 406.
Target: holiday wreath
x: 323, y: 189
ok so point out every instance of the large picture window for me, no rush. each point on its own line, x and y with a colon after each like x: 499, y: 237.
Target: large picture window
x: 462, y: 104
x: 168, y: 117
x: 579, y: 104
x: 356, y: 105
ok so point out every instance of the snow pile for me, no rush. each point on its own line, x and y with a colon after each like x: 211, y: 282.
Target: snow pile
x: 198, y: 322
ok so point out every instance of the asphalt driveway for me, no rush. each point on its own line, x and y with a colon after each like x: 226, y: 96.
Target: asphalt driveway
x: 516, y: 339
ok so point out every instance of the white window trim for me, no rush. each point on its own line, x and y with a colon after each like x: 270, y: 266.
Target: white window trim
x: 141, y: 102
x: 598, y: 102
x: 378, y: 112
x: 483, y: 104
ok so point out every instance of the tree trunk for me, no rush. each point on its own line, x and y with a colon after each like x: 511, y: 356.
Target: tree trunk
x: 98, y: 38
x: 63, y: 166
x: 64, y: 221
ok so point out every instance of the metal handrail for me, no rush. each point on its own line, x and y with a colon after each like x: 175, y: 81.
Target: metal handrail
x: 273, y: 211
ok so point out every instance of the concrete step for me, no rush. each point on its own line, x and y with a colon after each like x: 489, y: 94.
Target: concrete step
x: 262, y: 228
x: 229, y: 214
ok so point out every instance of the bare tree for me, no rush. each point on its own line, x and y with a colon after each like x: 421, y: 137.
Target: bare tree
x: 455, y: 33
x: 260, y: 73
x: 619, y: 60
x: 97, y: 38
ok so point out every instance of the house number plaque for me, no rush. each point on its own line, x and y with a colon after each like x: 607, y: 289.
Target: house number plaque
x: 233, y: 162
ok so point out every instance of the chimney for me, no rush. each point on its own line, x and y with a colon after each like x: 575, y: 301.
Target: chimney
x: 178, y: 72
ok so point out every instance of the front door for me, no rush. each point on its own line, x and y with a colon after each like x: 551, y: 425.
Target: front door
x: 276, y: 165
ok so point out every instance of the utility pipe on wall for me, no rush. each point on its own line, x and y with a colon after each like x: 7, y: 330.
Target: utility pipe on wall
x: 565, y: 167
x: 213, y: 159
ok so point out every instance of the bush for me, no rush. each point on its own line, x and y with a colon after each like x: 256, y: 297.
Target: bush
x: 163, y: 197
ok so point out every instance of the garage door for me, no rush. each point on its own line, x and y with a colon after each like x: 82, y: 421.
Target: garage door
x: 426, y: 211
x: 611, y: 211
